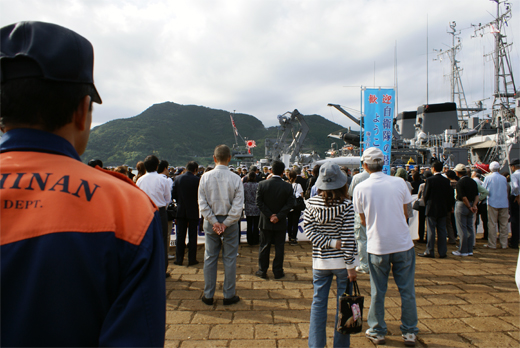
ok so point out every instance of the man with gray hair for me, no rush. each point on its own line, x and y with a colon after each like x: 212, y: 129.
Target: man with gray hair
x: 381, y: 202
x: 498, y: 205
x: 221, y: 197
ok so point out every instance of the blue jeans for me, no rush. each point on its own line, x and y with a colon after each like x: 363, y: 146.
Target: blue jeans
x: 465, y: 227
x: 437, y: 224
x: 322, y: 279
x: 229, y: 245
x: 403, y: 269
x: 360, y: 232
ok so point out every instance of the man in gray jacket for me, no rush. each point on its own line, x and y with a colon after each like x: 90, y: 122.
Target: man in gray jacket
x: 360, y: 231
x: 221, y: 197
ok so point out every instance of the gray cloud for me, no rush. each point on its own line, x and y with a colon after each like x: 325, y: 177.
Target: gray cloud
x: 267, y: 57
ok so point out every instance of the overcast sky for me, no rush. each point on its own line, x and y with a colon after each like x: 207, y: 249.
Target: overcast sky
x: 266, y: 57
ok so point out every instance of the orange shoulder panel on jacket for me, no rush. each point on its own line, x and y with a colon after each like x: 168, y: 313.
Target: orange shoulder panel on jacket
x: 43, y: 193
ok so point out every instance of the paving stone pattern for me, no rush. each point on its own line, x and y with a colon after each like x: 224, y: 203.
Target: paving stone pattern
x: 462, y: 302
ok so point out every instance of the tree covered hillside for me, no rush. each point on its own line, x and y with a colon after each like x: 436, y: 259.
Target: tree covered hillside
x: 181, y: 133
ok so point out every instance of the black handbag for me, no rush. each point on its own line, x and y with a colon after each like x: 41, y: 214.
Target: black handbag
x: 350, y: 319
x: 416, y: 205
x: 299, y: 203
x: 171, y: 211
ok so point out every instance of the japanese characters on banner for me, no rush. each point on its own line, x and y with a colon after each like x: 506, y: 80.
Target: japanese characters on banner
x: 378, y: 121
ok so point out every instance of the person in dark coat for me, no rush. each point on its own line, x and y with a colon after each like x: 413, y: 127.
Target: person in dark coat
x: 251, y: 209
x: 293, y: 217
x: 439, y: 198
x: 422, y: 208
x: 275, y: 199
x: 311, y: 181
x: 185, y: 192
x: 416, y: 182
x: 299, y: 178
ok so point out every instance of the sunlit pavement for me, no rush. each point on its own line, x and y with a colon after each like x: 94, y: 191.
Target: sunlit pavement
x: 461, y: 302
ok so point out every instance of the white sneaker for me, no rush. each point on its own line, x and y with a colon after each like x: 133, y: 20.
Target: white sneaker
x: 361, y: 270
x: 409, y: 339
x: 488, y: 246
x: 458, y: 253
x: 377, y: 339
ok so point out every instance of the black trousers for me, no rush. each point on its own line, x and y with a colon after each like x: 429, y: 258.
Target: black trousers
x: 422, y: 221
x: 186, y: 225
x: 453, y: 224
x: 293, y: 217
x: 515, y: 220
x: 253, y: 236
x: 482, y: 212
x: 266, y: 238
x: 166, y: 235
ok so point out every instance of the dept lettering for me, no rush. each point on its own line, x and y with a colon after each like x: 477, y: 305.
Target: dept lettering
x: 45, y: 182
x: 21, y: 204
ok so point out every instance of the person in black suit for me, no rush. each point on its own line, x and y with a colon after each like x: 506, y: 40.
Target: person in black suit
x: 439, y: 199
x: 275, y: 199
x: 299, y: 178
x: 185, y: 192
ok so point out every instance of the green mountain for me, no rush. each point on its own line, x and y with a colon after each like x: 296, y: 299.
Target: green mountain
x: 182, y: 133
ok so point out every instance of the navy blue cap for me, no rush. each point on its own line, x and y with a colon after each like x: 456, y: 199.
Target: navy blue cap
x: 46, y: 50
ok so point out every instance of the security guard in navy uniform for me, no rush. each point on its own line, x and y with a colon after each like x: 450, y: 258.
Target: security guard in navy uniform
x: 82, y: 260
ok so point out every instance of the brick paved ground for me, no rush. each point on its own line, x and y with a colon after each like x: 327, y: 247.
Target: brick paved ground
x: 462, y: 302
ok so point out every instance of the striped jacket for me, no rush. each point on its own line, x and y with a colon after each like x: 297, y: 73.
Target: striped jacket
x: 324, y: 226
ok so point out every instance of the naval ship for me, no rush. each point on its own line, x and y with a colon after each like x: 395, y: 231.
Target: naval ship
x: 455, y: 133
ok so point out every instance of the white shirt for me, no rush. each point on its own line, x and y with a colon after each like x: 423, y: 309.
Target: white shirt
x: 170, y: 180
x: 381, y: 198
x: 297, y: 189
x: 157, y: 187
x: 478, y: 181
x: 221, y: 192
x: 515, y: 183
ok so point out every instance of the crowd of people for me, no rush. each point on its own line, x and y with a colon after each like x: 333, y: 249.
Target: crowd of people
x: 338, y: 203
x: 415, y: 176
x: 85, y: 249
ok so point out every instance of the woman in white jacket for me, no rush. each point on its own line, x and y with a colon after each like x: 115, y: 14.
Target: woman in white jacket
x: 329, y: 225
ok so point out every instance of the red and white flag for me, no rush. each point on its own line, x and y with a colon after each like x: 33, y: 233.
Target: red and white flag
x: 251, y: 143
x: 234, y: 125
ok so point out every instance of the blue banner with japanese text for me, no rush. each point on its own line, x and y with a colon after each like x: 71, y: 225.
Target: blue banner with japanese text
x: 378, y: 121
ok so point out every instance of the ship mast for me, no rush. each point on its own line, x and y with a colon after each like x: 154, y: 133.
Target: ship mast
x: 457, y: 89
x: 504, y: 84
